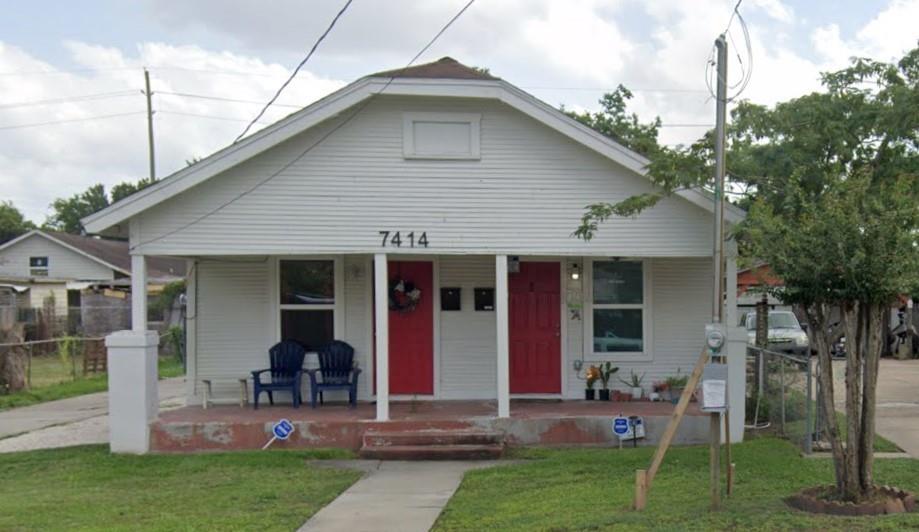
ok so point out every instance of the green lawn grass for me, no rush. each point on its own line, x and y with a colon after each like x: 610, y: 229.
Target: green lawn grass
x: 87, y: 488
x: 52, y: 379
x: 592, y: 489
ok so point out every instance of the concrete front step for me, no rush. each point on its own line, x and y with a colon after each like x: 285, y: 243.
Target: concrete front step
x: 432, y: 437
x: 432, y: 452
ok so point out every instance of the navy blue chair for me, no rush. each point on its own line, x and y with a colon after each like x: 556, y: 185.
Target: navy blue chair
x: 336, y: 372
x: 286, y: 372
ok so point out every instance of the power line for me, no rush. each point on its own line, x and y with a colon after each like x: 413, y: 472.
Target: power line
x: 68, y: 121
x: 82, y: 98
x: 319, y: 141
x: 224, y: 99
x: 198, y: 115
x: 66, y: 71
x: 607, y: 89
x: 294, y: 73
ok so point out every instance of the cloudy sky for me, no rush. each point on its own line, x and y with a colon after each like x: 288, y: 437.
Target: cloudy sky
x: 72, y: 114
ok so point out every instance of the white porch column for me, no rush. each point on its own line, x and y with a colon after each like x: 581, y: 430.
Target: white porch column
x: 138, y: 293
x: 381, y: 317
x: 132, y: 370
x: 501, y: 316
x: 132, y: 389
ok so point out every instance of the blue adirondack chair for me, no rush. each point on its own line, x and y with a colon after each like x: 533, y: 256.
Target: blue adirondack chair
x: 286, y: 372
x: 336, y: 372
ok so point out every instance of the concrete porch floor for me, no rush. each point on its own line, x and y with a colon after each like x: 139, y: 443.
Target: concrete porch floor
x: 532, y: 422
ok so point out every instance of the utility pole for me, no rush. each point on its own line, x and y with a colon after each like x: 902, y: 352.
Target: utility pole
x: 718, y: 258
x: 149, y: 95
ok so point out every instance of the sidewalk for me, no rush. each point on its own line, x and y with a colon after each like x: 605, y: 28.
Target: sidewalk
x: 74, y: 421
x: 897, y: 415
x: 393, y: 496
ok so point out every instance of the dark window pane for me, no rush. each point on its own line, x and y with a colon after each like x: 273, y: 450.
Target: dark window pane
x: 617, y: 330
x: 312, y: 328
x: 618, y: 282
x: 307, y: 282
x: 38, y: 262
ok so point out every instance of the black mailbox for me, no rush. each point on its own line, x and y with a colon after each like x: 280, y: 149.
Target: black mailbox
x: 485, y: 299
x: 450, y: 299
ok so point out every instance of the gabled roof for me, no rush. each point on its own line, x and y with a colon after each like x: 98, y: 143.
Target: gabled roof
x: 110, y: 253
x: 445, y: 78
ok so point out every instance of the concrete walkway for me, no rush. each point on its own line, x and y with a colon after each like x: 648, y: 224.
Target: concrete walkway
x: 74, y: 421
x: 897, y: 417
x: 392, y: 496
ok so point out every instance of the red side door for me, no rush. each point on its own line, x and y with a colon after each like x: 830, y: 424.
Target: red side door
x: 535, y: 328
x: 411, y: 334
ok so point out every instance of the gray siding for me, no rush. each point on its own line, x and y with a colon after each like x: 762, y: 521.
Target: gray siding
x: 681, y: 295
x: 525, y: 195
x: 231, y: 321
x: 62, y: 262
x: 468, y: 353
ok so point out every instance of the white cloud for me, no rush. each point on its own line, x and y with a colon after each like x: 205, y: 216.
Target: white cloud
x: 42, y: 163
x: 657, y: 48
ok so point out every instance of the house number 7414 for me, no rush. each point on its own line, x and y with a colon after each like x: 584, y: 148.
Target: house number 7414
x: 396, y: 240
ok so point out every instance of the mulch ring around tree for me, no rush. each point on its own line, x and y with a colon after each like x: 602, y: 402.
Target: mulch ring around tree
x: 822, y: 500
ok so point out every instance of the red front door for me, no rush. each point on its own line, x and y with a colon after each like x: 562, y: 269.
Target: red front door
x: 535, y: 328
x: 411, y: 333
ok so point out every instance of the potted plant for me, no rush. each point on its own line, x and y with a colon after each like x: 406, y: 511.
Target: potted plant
x: 660, y: 391
x: 606, y: 372
x: 676, y: 384
x: 592, y: 376
x: 634, y: 383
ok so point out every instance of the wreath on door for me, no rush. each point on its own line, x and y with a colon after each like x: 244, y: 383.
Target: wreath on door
x: 403, y: 296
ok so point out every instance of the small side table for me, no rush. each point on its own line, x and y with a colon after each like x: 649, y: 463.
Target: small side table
x: 209, y: 393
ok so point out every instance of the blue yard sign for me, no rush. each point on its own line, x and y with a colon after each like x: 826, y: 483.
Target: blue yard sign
x: 620, y: 426
x: 282, y: 429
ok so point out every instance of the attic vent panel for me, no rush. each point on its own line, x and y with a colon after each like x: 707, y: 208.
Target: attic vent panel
x: 441, y: 136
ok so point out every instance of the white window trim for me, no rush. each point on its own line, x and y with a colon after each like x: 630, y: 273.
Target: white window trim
x: 39, y: 271
x: 647, y: 318
x: 408, y: 136
x: 338, y: 308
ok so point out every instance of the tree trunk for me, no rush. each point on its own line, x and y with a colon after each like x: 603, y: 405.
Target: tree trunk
x: 818, y: 317
x: 873, y: 345
x: 13, y: 362
x: 852, y: 317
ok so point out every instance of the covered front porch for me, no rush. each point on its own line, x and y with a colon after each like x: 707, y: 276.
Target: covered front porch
x: 530, y: 422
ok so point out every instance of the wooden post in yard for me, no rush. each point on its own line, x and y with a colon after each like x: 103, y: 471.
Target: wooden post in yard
x: 670, y: 431
x: 641, y: 488
x: 727, y: 452
x: 714, y: 451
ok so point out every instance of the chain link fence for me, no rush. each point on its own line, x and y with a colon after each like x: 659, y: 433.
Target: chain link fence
x: 780, y: 396
x: 40, y: 363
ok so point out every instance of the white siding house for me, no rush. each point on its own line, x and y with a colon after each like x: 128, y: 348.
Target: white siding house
x: 441, y: 177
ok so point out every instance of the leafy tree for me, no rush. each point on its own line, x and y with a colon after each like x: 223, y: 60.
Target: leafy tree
x: 123, y: 190
x: 67, y: 212
x: 834, y: 210
x: 12, y: 222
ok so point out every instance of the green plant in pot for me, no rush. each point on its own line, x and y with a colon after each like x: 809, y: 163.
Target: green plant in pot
x: 591, y: 376
x: 607, y: 370
x: 634, y: 384
x: 676, y: 384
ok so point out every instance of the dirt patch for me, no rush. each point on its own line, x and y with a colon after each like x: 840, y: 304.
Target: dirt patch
x: 821, y: 500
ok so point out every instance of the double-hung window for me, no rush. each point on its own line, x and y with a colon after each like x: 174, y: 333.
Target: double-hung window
x: 618, y: 310
x: 307, y: 301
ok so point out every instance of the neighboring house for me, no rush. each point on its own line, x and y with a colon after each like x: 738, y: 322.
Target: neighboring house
x: 752, y: 283
x: 454, y: 183
x: 48, y: 268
